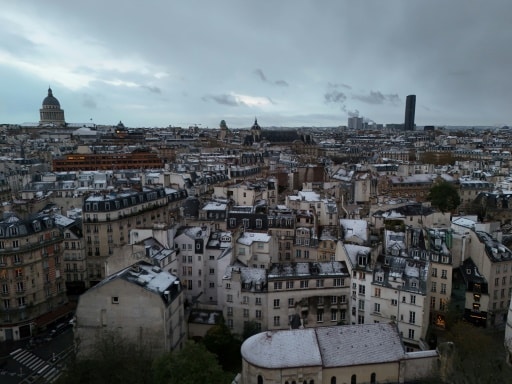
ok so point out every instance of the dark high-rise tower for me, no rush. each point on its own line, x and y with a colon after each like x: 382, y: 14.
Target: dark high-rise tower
x: 410, y: 107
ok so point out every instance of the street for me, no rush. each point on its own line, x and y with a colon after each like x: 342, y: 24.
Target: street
x: 41, y: 363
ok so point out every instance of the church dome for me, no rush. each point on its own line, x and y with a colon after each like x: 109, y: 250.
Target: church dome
x: 50, y: 100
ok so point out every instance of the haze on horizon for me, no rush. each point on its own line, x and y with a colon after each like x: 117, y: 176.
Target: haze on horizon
x: 288, y: 63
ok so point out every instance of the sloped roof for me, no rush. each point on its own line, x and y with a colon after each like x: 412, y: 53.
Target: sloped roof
x: 336, y: 346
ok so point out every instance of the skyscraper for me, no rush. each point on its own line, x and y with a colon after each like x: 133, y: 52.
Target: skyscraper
x: 410, y: 107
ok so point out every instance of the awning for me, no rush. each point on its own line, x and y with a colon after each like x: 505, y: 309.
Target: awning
x: 55, y: 314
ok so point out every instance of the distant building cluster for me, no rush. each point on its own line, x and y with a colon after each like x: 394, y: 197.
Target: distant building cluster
x: 323, y: 241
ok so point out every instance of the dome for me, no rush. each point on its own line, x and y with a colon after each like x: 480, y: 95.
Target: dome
x: 50, y: 101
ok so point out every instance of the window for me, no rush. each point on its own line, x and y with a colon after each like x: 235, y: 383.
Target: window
x: 230, y: 323
x: 411, y: 333
x: 245, y: 299
x: 413, y: 299
x: 377, y: 307
x: 343, y: 299
x: 433, y: 287
x: 289, y: 284
x: 258, y: 301
x: 258, y: 313
x: 334, y: 315
x: 276, y: 303
x: 377, y: 292
x: 115, y: 299
x: 444, y: 274
x: 361, y: 305
x: 246, y: 312
x: 434, y: 272
x: 304, y: 283
x: 373, y: 378
x: 320, y: 316
x: 443, y: 289
x: 319, y: 283
x: 338, y: 282
x: 259, y: 223
x: 22, y: 301
x: 412, y: 317
x: 394, y: 302
x: 212, y: 271
x: 334, y: 299
x: 333, y: 380
x: 278, y: 285
x: 230, y: 311
x: 320, y: 300
x: 362, y: 289
x: 229, y: 298
x: 291, y: 302
x: 277, y: 321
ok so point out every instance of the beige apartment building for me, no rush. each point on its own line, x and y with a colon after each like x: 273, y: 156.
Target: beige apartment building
x: 292, y: 295
x: 143, y: 303
x: 311, y: 294
x: 33, y: 289
x: 109, y: 216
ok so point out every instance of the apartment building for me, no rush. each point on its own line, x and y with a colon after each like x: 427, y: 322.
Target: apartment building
x: 31, y: 275
x: 191, y: 243
x: 289, y: 295
x: 399, y: 295
x: 307, y: 294
x: 141, y: 301
x: 73, y: 255
x: 255, y: 249
x: 243, y: 297
x: 109, y: 216
x: 440, y: 280
x: 281, y: 226
x: 359, y: 260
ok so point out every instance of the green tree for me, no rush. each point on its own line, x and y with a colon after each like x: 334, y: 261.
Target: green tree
x: 477, y: 356
x: 250, y: 328
x: 224, y: 345
x: 194, y: 364
x: 114, y: 360
x: 444, y: 196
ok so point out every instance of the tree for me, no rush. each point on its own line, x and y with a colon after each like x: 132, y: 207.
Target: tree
x: 222, y: 343
x: 113, y: 361
x: 471, y: 355
x: 194, y: 364
x: 444, y: 196
x: 250, y: 328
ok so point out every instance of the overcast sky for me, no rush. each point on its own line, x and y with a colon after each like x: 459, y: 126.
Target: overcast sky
x: 287, y: 62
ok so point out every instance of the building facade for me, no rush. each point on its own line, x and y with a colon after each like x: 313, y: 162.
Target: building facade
x: 33, y: 288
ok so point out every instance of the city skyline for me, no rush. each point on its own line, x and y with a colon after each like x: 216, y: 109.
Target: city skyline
x: 288, y: 63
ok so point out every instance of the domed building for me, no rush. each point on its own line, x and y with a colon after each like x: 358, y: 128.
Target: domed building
x: 51, y: 113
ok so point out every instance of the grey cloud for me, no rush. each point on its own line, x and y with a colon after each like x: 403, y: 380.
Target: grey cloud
x: 152, y: 89
x: 354, y: 113
x: 258, y: 72
x: 338, y: 85
x: 335, y: 96
x: 377, y: 97
x: 88, y: 101
x: 222, y: 99
x: 261, y: 75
